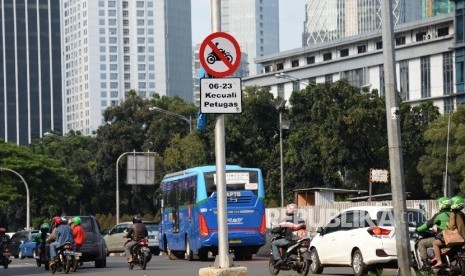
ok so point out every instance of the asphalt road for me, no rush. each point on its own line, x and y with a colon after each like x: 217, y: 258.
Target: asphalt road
x: 159, y: 265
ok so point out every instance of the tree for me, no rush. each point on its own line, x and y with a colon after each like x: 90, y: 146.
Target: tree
x: 337, y: 135
x: 51, y: 187
x: 432, y: 165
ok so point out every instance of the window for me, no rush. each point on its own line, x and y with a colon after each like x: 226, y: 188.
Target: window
x: 279, y: 66
x: 295, y: 86
x: 425, y: 77
x: 329, y: 78
x: 354, y: 77
x: 140, y: 4
x: 382, y: 89
x: 344, y: 52
x: 112, y: 22
x: 140, y: 22
x: 327, y: 56
x: 113, y: 85
x: 140, y: 13
x: 281, y: 90
x: 311, y: 60
x: 268, y: 68
x: 420, y: 36
x: 125, y: 31
x: 448, y: 105
x: 114, y: 94
x: 112, y: 13
x: 113, y: 67
x: 362, y: 49
x: 141, y: 67
x: 443, y: 31
x: 379, y: 45
x: 295, y: 63
x: 400, y: 40
x: 404, y: 77
x: 448, y: 73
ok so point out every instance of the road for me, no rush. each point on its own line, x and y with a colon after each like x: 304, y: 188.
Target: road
x: 159, y: 265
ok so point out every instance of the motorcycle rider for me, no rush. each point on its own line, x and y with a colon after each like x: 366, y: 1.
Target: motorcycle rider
x: 60, y: 235
x: 42, y: 238
x: 456, y: 221
x: 79, y: 234
x: 4, y: 241
x: 137, y: 232
x: 440, y: 220
x: 292, y: 223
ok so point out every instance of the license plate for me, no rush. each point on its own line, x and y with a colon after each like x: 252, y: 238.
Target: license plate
x: 68, y: 252
x: 235, y: 241
x: 145, y: 249
x: 150, y: 237
x: 77, y: 254
x: 6, y: 254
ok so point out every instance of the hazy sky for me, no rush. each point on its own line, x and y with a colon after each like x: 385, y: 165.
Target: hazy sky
x: 291, y: 18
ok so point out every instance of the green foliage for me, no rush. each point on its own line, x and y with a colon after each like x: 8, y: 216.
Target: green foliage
x: 432, y: 165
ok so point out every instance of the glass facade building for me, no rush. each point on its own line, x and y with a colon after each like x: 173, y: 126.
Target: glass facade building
x: 328, y: 20
x: 30, y: 70
x: 255, y: 25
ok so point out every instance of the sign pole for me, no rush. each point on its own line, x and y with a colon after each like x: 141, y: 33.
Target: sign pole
x: 222, y: 259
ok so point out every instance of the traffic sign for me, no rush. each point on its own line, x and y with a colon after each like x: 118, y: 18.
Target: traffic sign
x: 220, y: 96
x: 220, y: 54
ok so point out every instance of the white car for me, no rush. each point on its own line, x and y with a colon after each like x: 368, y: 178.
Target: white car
x: 361, y: 237
x: 115, y: 239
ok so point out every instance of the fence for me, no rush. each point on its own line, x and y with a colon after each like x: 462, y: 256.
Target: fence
x: 318, y: 216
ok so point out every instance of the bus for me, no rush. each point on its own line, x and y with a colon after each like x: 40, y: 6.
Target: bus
x: 189, y: 226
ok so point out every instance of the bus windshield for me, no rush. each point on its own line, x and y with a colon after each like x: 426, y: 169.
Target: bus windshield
x: 235, y: 181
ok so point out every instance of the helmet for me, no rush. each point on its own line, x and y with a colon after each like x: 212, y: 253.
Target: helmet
x: 44, y: 227
x: 444, y: 203
x: 2, y: 230
x: 291, y: 209
x: 457, y: 203
x: 56, y: 221
x: 137, y: 219
x: 76, y: 221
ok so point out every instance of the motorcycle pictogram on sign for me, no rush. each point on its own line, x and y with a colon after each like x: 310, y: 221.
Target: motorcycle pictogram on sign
x: 220, y: 54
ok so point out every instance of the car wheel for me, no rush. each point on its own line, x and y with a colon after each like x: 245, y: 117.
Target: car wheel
x: 21, y: 255
x: 359, y: 267
x: 315, y: 266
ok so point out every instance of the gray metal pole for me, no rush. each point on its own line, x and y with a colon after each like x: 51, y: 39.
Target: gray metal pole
x: 28, y: 206
x: 447, y: 191
x: 281, y: 155
x: 394, y: 142
x: 222, y: 260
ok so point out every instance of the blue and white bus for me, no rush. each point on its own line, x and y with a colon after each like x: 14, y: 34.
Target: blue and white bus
x: 189, y: 223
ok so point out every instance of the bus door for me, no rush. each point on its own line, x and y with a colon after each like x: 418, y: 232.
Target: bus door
x: 175, y: 206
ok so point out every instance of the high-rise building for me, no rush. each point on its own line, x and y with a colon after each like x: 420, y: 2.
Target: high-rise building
x: 436, y: 7
x: 30, y: 70
x: 328, y: 20
x: 255, y: 25
x: 111, y: 47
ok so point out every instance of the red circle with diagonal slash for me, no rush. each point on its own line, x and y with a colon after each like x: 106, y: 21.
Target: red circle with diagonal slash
x: 210, y: 44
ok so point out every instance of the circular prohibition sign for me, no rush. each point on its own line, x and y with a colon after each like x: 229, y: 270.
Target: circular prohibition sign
x: 220, y: 54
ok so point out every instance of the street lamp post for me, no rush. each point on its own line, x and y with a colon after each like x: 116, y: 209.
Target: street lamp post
x: 28, y: 206
x: 280, y: 108
x: 289, y: 77
x: 188, y: 120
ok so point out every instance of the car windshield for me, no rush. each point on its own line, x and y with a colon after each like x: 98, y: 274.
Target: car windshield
x: 151, y: 226
x: 386, y: 218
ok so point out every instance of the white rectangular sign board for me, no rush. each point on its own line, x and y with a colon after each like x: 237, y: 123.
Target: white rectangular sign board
x: 220, y: 95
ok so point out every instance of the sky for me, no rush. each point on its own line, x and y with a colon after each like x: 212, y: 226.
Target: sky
x: 291, y: 18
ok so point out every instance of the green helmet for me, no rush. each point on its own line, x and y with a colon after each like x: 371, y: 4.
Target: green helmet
x: 444, y: 203
x: 44, y: 226
x: 77, y: 221
x: 457, y: 203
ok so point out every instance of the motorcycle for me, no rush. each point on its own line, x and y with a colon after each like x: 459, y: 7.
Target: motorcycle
x: 66, y: 260
x: 140, y: 254
x: 453, y: 259
x: 296, y: 255
x: 5, y: 257
x: 213, y: 57
x: 40, y: 257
